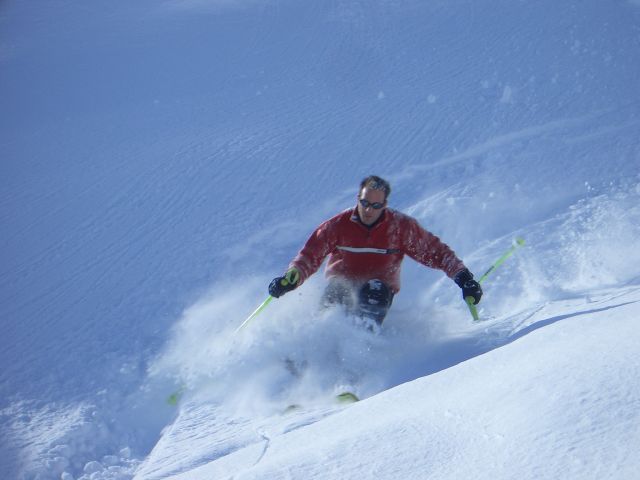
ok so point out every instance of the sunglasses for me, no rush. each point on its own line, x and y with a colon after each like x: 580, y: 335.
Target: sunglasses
x: 367, y: 203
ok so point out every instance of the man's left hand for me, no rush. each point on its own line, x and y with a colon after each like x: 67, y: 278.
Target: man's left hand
x: 470, y: 288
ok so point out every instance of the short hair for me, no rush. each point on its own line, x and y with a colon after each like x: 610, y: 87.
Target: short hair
x: 376, y: 183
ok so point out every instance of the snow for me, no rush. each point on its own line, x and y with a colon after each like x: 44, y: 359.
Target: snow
x: 557, y: 414
x: 162, y: 161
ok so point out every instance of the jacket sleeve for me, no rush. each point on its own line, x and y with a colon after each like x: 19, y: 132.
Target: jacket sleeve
x: 429, y: 250
x: 320, y: 244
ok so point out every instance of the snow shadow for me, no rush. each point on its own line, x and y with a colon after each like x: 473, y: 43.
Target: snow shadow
x: 550, y: 321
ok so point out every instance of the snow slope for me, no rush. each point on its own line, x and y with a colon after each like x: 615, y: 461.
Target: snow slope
x: 162, y: 161
x: 559, y: 399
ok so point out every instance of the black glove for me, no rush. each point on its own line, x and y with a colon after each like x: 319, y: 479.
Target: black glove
x: 470, y: 288
x: 281, y: 285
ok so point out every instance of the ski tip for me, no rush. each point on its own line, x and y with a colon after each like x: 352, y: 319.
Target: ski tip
x: 175, y: 397
x: 520, y: 241
x: 294, y: 407
x: 347, y: 397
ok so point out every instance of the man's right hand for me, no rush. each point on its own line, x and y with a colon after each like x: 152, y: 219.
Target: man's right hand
x: 281, y: 285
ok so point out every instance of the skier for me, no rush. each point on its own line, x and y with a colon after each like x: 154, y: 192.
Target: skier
x: 366, y: 246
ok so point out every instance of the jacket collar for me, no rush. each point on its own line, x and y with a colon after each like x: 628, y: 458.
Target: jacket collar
x: 355, y: 217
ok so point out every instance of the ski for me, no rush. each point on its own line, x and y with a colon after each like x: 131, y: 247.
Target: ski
x: 342, y: 398
x: 347, y: 397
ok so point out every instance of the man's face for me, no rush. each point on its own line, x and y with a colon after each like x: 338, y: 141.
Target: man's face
x: 368, y: 214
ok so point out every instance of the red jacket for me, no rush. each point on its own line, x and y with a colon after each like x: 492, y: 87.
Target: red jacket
x: 362, y: 253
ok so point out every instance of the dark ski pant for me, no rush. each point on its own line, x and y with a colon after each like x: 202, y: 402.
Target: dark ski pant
x: 371, y: 299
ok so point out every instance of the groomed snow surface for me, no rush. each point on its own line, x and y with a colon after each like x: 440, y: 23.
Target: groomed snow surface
x: 163, y: 161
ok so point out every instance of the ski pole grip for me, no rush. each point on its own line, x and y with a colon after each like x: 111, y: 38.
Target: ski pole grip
x: 519, y: 242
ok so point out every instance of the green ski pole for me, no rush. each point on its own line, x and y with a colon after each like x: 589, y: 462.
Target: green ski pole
x: 472, y: 308
x: 176, y: 396
x: 256, y: 312
x: 291, y: 278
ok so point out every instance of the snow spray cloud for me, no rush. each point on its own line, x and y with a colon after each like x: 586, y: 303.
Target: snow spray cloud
x: 293, y: 352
